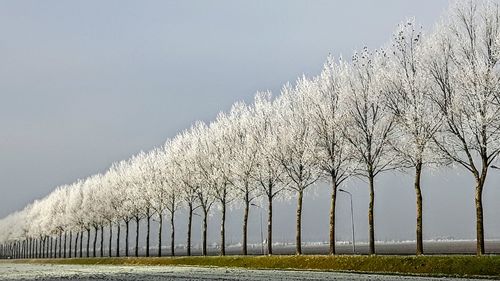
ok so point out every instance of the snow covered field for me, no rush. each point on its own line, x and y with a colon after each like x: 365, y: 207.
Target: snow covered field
x: 11, y: 271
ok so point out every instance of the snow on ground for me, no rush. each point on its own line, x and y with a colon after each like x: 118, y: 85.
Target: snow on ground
x: 12, y: 271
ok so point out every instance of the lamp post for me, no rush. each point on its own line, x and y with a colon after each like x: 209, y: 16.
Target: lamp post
x: 352, y: 220
x: 261, y: 236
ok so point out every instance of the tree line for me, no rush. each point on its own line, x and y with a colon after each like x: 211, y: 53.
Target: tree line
x: 420, y: 102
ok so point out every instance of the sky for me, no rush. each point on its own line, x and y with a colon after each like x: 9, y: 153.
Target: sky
x: 87, y: 83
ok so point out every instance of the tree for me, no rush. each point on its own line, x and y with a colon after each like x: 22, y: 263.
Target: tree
x: 138, y: 205
x: 269, y: 172
x: 369, y: 125
x: 185, y: 176
x: 296, y: 146
x: 165, y: 188
x: 158, y: 186
x: 203, y: 171
x: 217, y: 167
x: 327, y: 121
x: 416, y: 118
x: 117, y: 200
x: 244, y: 160
x: 462, y: 59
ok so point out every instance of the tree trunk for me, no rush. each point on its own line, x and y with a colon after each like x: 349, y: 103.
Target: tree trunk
x: 160, y: 229
x: 118, y: 240
x: 370, y: 215
x: 95, y: 240
x: 137, y: 236
x: 223, y: 231
x: 270, y: 224
x: 70, y: 242
x: 418, y: 193
x: 64, y: 252
x: 298, y: 237
x: 60, y: 243
x: 205, y: 224
x: 479, y: 217
x: 148, y: 226
x: 245, y: 224
x: 127, y: 224
x: 172, y: 233
x: 88, y: 242
x: 81, y: 243
x: 57, y: 242
x: 190, y: 221
x: 102, y: 241
x: 110, y: 238
x: 332, y: 215
x: 51, y: 244
x: 76, y: 244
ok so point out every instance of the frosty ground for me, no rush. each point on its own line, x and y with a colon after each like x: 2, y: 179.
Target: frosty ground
x: 11, y: 271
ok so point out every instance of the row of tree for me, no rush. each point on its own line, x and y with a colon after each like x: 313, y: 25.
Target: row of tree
x: 421, y: 101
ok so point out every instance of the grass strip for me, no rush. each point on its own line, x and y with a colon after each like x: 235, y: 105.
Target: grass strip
x: 452, y: 266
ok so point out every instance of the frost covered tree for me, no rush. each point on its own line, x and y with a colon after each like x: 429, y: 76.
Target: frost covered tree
x: 204, y: 172
x: 158, y: 187
x: 244, y: 160
x: 269, y: 172
x: 416, y: 118
x: 142, y: 189
x: 328, y: 124
x: 217, y: 167
x: 165, y: 189
x: 296, y: 147
x: 369, y: 124
x: 137, y: 202
x: 117, y: 200
x: 182, y: 152
x: 462, y: 59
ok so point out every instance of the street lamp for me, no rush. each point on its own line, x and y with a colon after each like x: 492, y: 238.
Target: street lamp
x: 261, y: 236
x: 352, y: 221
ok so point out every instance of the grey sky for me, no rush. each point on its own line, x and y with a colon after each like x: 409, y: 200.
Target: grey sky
x: 86, y: 83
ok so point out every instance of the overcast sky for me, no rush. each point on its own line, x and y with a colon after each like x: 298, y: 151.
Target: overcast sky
x: 86, y: 83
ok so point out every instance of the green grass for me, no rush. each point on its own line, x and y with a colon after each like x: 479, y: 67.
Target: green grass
x: 458, y: 266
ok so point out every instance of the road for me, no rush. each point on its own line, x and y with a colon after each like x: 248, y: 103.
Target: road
x: 11, y: 271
